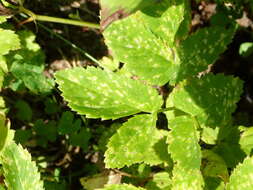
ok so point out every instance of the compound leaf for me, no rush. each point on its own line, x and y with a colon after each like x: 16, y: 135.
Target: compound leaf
x: 241, y: 177
x: 144, y: 42
x: 135, y: 142
x: 19, y: 171
x: 121, y: 187
x: 212, y: 98
x: 159, y: 44
x: 104, y: 94
x: 8, y: 41
x: 185, y: 152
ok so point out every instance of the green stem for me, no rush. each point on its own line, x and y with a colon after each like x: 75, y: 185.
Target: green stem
x: 57, y: 20
x: 66, y: 21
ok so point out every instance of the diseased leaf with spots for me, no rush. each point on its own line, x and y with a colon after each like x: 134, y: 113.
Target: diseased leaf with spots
x: 184, y: 147
x: 185, y: 152
x: 212, y: 98
x: 187, y: 179
x: 104, y: 94
x: 19, y: 171
x: 202, y: 49
x: 241, y: 177
x: 136, y: 141
x: 157, y: 49
x: 144, y: 42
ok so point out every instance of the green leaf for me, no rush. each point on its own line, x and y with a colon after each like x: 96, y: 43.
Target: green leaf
x: 246, y: 49
x: 50, y: 185
x: 241, y: 177
x: 67, y: 124
x: 3, y: 19
x: 81, y: 138
x: 185, y: 151
x: 214, y: 165
x: 8, y: 41
x: 104, y: 94
x: 3, y: 64
x: 246, y: 140
x: 136, y: 141
x: 46, y: 131
x: 51, y: 106
x: 190, y: 179
x: 121, y: 187
x: 184, y: 137
x: 212, y: 98
x: 22, y: 136
x: 160, y: 181
x: 2, y: 187
x: 27, y: 64
x: 95, y: 182
x: 4, y: 130
x: 202, y: 49
x: 24, y: 111
x: 35, y: 82
x: 210, y: 135
x: 145, y: 43
x: 156, y: 44
x: 19, y: 171
x: 212, y: 183
x: 230, y: 152
x: 109, y: 63
x: 106, y: 135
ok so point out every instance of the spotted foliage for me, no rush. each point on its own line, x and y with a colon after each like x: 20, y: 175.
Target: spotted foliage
x: 19, y: 171
x: 156, y: 49
x: 136, y: 141
x: 185, y: 152
x: 104, y: 94
x: 212, y: 98
x: 242, y: 176
x: 145, y: 43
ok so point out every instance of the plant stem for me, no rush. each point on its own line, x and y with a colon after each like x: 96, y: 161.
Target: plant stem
x: 56, y: 19
x: 66, y: 21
